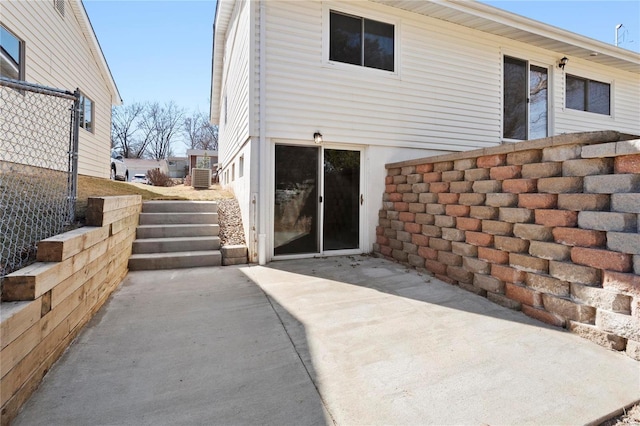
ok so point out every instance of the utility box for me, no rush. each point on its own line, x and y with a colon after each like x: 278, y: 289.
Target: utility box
x: 201, y: 178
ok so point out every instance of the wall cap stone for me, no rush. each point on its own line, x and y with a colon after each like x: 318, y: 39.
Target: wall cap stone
x: 584, y: 138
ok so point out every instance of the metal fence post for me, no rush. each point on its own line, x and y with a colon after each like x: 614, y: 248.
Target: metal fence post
x: 73, y: 156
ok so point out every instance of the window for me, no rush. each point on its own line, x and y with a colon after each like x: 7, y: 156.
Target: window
x: 233, y: 172
x: 11, y: 55
x: 588, y: 95
x: 241, y: 166
x: 86, y: 113
x: 59, y: 6
x: 225, y: 109
x: 361, y: 41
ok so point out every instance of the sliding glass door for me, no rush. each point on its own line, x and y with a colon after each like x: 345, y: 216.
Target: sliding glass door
x: 317, y: 203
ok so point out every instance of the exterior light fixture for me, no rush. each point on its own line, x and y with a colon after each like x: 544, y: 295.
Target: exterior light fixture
x: 317, y: 137
x: 563, y: 62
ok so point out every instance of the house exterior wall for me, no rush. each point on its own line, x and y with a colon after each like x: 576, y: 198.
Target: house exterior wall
x: 447, y: 84
x: 234, y: 101
x: 58, y: 55
x: 237, y: 178
x: 446, y: 94
x: 236, y: 105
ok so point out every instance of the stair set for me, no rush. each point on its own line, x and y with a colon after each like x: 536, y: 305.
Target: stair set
x: 176, y: 234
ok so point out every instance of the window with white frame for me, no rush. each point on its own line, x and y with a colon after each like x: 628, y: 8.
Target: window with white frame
x: 583, y: 94
x: 361, y: 41
x: 11, y: 55
x: 241, y: 166
x: 86, y: 113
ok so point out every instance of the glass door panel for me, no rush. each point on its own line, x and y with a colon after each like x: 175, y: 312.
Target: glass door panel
x: 538, y: 95
x: 341, y: 204
x: 515, y: 99
x: 296, y: 200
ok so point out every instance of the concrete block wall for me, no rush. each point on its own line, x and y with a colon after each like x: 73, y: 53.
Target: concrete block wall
x: 548, y: 227
x: 46, y: 304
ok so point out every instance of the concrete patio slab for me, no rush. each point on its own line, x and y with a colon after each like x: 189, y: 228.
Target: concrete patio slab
x: 338, y: 340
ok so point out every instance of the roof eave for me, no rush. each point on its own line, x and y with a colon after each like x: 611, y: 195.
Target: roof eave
x: 480, y: 16
x: 224, y: 9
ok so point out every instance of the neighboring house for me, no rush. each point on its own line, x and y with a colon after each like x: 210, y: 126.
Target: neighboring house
x: 137, y: 166
x: 313, y: 98
x: 52, y: 43
x: 203, y: 159
x: 178, y: 167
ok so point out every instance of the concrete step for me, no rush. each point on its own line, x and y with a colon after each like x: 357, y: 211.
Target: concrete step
x: 175, y: 218
x: 177, y: 260
x: 180, y: 207
x: 175, y: 244
x: 179, y: 230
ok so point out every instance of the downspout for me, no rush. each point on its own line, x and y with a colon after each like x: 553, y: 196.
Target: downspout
x: 263, y: 148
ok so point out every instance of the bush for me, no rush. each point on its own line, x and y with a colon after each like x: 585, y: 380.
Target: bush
x: 157, y: 178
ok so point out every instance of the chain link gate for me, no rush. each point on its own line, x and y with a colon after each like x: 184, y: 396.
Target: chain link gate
x: 38, y: 167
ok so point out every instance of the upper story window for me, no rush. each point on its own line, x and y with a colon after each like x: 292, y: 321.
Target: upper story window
x: 11, y: 55
x: 588, y: 95
x: 86, y: 113
x: 361, y: 41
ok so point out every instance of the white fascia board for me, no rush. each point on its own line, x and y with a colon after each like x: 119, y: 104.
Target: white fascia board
x: 224, y: 10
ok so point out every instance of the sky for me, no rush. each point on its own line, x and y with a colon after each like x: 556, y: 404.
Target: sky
x: 161, y: 50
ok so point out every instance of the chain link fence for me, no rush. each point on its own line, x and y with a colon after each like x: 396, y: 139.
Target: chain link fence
x: 38, y: 168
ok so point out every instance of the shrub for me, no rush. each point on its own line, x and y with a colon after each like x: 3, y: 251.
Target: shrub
x: 157, y: 178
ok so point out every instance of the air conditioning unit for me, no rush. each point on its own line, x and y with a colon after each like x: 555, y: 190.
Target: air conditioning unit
x: 201, y: 178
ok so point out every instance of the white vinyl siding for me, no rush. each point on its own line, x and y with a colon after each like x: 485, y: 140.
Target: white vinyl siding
x: 58, y: 55
x: 234, y: 122
x: 446, y: 92
x: 415, y: 108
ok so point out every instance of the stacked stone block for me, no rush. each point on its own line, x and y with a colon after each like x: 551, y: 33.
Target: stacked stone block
x: 548, y: 227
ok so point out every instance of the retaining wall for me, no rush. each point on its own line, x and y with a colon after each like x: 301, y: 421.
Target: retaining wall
x: 548, y: 227
x: 45, y: 305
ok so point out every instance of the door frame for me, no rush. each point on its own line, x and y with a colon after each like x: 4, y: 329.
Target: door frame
x: 271, y: 200
x: 530, y: 60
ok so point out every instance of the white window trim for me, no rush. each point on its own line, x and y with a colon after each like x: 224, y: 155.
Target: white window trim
x: 366, y: 14
x: 93, y: 114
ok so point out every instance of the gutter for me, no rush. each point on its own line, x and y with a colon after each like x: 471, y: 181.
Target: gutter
x: 262, y: 146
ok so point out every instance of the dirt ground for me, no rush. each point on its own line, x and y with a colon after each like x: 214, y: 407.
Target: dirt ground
x: 215, y: 192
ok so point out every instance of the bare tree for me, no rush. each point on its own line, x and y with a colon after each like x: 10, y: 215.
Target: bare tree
x: 165, y: 121
x: 124, y: 125
x: 199, y: 132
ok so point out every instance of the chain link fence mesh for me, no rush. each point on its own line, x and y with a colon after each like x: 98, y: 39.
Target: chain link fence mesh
x: 38, y: 137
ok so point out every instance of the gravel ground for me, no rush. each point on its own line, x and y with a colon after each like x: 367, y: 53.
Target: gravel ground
x: 630, y: 417
x: 230, y: 220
